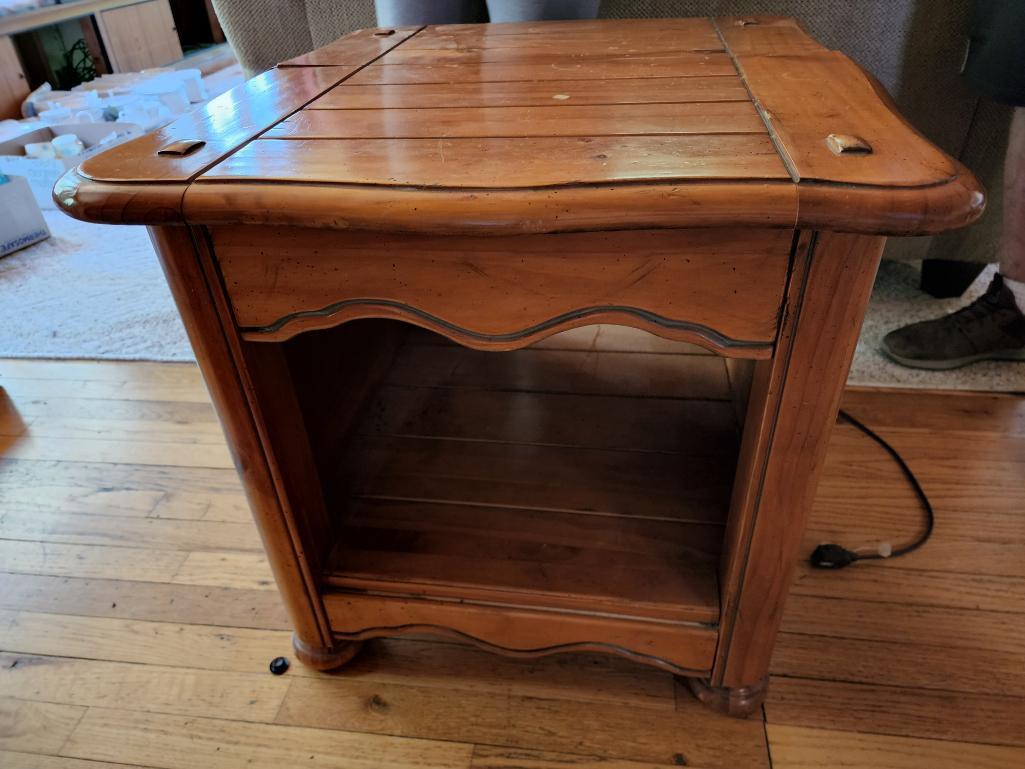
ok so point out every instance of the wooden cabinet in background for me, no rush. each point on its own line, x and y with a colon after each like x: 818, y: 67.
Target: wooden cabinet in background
x: 13, y: 84
x: 139, y: 36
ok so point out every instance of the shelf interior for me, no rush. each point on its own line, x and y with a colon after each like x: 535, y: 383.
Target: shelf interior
x: 589, y: 473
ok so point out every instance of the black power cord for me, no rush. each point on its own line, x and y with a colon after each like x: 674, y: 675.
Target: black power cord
x: 832, y: 556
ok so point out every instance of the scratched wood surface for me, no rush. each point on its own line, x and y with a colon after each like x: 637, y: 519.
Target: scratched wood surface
x: 137, y: 614
x: 466, y: 112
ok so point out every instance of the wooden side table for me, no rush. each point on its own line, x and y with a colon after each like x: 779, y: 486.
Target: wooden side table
x: 724, y: 182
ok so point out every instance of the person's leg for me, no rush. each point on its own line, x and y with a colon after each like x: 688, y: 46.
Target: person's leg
x: 993, y: 326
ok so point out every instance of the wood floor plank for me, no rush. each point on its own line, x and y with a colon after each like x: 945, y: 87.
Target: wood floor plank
x: 900, y: 711
x: 879, y: 621
x: 898, y: 664
x: 145, y: 431
x: 17, y: 760
x: 202, y: 480
x: 491, y: 757
x: 447, y: 666
x: 120, y: 452
x: 65, y: 405
x: 178, y: 742
x: 240, y: 570
x: 158, y: 602
x: 992, y: 413
x: 226, y: 507
x: 156, y: 533
x: 144, y: 688
x: 206, y: 647
x: 101, y: 371
x: 27, y: 389
x: 82, y: 500
x: 795, y: 747
x: 36, y: 727
x: 531, y: 723
x: 908, y: 586
x: 94, y: 561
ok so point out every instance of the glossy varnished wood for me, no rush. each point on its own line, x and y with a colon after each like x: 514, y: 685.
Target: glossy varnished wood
x: 354, y: 49
x: 687, y: 106
x: 497, y: 220
x: 223, y: 124
x: 517, y: 162
x: 613, y: 67
x: 489, y: 211
x: 793, y: 403
x: 549, y: 120
x: 667, y: 90
x: 671, y: 283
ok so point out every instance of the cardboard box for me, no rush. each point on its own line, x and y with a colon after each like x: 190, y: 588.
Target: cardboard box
x: 22, y: 223
x: 43, y: 173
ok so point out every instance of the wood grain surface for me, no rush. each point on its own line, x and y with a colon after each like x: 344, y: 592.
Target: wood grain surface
x: 514, y: 162
x: 670, y: 281
x: 684, y: 105
x: 908, y: 668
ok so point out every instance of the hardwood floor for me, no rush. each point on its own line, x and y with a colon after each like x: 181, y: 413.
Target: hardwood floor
x: 138, y: 616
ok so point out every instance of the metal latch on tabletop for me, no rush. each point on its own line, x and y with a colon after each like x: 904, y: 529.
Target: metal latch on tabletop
x: 848, y: 144
x: 181, y: 148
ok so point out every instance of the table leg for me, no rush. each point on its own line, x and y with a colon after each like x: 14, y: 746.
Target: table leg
x: 205, y: 312
x: 793, y: 404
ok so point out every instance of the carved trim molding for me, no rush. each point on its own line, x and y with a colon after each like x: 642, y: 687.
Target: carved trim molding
x: 582, y: 646
x: 352, y: 309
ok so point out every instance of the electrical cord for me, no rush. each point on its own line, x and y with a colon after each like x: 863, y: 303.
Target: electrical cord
x: 833, y: 556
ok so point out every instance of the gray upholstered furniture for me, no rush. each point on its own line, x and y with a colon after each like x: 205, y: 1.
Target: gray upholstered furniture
x: 915, y: 47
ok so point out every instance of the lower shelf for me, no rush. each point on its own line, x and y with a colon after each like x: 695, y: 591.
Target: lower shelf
x: 482, y: 479
x: 618, y: 565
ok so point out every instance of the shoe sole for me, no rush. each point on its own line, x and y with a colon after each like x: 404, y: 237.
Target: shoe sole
x: 947, y: 365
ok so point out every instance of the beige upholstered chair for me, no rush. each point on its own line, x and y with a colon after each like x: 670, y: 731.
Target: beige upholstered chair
x: 915, y: 47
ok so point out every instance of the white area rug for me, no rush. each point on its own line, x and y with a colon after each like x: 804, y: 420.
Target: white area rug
x: 96, y: 291
x: 90, y: 291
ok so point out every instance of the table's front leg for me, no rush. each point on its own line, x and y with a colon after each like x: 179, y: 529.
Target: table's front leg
x: 228, y: 375
x: 793, y: 405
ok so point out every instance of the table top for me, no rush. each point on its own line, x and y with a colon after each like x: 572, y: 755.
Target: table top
x: 542, y: 127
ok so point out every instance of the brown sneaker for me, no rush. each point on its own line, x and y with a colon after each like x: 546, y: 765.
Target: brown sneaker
x: 990, y: 328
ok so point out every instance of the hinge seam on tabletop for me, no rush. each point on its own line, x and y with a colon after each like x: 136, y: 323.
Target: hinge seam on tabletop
x: 781, y: 150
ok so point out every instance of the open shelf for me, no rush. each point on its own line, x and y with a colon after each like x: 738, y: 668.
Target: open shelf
x: 573, y: 475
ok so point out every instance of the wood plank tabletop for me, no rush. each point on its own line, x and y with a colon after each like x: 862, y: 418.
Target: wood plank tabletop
x: 533, y: 106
